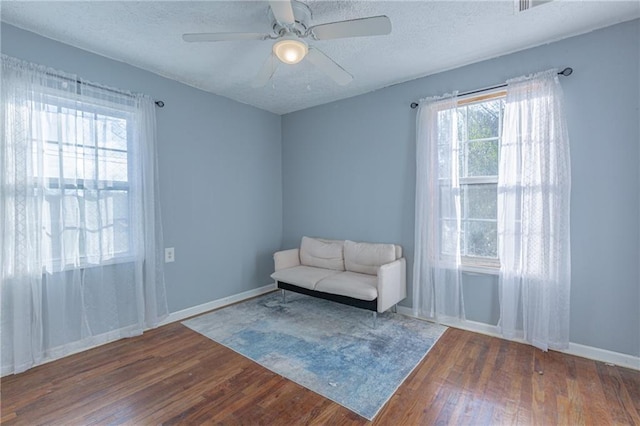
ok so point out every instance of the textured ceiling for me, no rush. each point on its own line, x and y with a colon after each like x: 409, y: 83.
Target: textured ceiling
x: 427, y: 37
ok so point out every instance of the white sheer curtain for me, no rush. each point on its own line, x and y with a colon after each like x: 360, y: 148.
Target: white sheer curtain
x: 437, y: 284
x: 533, y: 214
x: 80, y: 229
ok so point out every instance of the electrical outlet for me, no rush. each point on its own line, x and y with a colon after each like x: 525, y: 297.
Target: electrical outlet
x: 169, y: 255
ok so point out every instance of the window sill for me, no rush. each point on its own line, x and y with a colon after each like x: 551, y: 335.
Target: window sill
x: 473, y: 265
x: 480, y: 265
x: 480, y: 269
x: 56, y: 266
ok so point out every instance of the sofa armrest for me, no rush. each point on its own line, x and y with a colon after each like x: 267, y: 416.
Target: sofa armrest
x: 392, y: 284
x: 286, y: 259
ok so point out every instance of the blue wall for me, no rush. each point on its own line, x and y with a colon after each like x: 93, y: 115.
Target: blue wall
x: 220, y: 183
x: 349, y: 172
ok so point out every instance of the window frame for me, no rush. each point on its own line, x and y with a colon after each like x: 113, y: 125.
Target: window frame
x: 476, y: 264
x: 95, y: 106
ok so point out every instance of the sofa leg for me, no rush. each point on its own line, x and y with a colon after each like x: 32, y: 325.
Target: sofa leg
x: 283, y: 298
x: 375, y: 316
x: 395, y: 308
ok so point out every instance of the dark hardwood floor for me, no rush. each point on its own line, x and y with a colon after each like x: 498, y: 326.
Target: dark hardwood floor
x: 173, y: 375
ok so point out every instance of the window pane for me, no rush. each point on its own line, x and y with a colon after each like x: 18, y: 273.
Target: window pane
x: 448, y: 202
x: 444, y: 161
x: 484, y: 120
x: 106, y: 218
x: 111, y: 132
x: 115, y: 211
x: 121, y: 228
x: 444, y: 127
x: 49, y: 123
x: 481, y: 239
x: 448, y: 241
x: 113, y: 165
x: 51, y: 160
x: 71, y: 158
x: 482, y: 201
x: 482, y: 158
x: 462, y: 123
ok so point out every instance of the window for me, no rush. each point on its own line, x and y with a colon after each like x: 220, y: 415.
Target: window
x: 81, y: 235
x: 518, y: 228
x: 83, y: 147
x: 479, y: 131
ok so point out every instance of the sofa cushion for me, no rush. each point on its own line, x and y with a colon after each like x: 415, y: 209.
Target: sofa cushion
x: 366, y: 258
x: 351, y: 284
x: 322, y: 253
x: 303, y: 276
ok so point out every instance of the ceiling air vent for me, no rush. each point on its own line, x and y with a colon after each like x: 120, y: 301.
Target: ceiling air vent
x: 522, y: 5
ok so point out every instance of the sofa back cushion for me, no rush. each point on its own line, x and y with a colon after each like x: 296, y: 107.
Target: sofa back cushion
x: 366, y: 258
x: 322, y: 253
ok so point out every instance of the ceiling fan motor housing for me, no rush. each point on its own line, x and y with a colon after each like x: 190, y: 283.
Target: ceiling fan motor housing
x: 302, y: 15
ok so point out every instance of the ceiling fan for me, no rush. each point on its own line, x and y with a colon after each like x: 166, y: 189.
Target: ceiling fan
x: 290, y: 23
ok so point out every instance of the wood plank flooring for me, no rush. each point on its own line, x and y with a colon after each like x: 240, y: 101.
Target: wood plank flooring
x: 172, y: 375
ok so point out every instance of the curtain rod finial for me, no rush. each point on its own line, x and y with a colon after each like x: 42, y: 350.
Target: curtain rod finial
x: 567, y: 71
x: 414, y: 105
x: 160, y: 104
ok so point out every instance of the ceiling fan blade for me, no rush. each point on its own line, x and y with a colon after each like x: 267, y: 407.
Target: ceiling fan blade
x: 198, y: 37
x: 375, y: 25
x: 266, y: 72
x: 329, y: 67
x: 283, y: 11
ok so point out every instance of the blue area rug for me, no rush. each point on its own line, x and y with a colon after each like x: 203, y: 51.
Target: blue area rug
x: 330, y: 348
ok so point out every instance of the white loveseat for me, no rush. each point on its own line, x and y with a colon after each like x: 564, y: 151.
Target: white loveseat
x: 367, y: 275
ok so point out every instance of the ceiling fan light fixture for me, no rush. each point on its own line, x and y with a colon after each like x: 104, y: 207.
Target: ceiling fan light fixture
x: 290, y: 50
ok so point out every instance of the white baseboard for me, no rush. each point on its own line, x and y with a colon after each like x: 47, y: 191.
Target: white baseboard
x: 609, y: 357
x: 589, y: 352
x: 215, y: 304
x: 95, y: 341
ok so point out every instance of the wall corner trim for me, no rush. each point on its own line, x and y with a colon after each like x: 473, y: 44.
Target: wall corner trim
x: 583, y: 351
x: 218, y: 303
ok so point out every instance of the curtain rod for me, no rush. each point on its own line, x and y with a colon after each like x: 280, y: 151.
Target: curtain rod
x: 565, y: 72
x: 159, y: 104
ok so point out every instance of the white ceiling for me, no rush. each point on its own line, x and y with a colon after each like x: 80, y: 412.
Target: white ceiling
x: 427, y: 37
